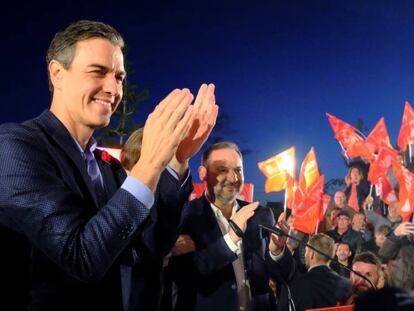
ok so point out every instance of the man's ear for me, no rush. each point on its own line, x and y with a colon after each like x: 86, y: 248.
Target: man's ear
x: 56, y: 71
x: 202, y: 173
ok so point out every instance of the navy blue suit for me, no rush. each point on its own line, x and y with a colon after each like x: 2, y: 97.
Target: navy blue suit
x: 318, y: 288
x: 215, y: 280
x: 82, y: 254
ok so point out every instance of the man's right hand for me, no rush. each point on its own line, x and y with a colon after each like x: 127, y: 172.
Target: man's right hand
x: 164, y: 129
x: 241, y: 218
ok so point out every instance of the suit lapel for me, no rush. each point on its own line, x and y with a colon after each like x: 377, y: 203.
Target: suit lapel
x: 65, y: 141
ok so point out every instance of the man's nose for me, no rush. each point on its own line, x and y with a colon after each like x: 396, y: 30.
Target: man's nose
x: 111, y: 85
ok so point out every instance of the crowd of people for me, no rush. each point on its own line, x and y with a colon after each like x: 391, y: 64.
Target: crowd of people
x: 83, y: 231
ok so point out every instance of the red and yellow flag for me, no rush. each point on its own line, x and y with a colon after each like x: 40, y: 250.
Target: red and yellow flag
x: 309, y: 172
x: 277, y: 169
x: 407, y: 127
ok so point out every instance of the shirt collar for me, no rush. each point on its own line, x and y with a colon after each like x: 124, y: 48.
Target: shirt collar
x: 90, y: 146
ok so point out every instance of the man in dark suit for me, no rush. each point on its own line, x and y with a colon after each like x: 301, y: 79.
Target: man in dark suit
x: 85, y: 223
x: 319, y: 286
x: 232, y: 260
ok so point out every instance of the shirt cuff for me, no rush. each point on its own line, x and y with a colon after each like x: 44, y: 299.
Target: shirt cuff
x: 233, y: 246
x: 277, y: 257
x: 175, y: 175
x: 139, y: 190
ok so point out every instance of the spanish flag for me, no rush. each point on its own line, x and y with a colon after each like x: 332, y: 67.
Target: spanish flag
x: 277, y: 169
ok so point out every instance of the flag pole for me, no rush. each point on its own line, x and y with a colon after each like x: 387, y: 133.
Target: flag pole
x: 285, y: 204
x: 343, y: 149
x: 370, y: 194
x: 409, y: 151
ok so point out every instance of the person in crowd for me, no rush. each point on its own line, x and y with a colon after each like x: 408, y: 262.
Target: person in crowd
x: 330, y: 220
x: 355, y: 178
x: 358, y: 224
x: 82, y: 218
x: 232, y: 260
x: 369, y: 265
x: 153, y: 272
x: 398, y: 251
x: 343, y: 254
x: 374, y: 245
x: 344, y: 233
x: 391, y: 219
x: 313, y: 286
x: 386, y: 299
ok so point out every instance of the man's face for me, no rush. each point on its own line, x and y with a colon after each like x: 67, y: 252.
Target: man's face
x: 91, y: 88
x: 340, y: 199
x: 355, y: 176
x: 358, y: 222
x: 369, y: 270
x: 343, y: 222
x: 224, y: 175
x: 393, y: 209
x: 343, y: 252
x: 379, y: 238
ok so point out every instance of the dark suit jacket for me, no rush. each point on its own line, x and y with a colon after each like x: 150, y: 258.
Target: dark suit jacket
x: 215, y: 281
x: 318, y: 288
x: 81, y: 253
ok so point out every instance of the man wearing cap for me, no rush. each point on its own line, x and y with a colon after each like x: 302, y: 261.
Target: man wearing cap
x: 344, y: 233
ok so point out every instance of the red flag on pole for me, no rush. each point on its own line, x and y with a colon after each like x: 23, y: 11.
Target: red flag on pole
x: 407, y: 127
x: 346, y: 134
x: 406, y: 190
x: 382, y: 163
x: 306, y: 215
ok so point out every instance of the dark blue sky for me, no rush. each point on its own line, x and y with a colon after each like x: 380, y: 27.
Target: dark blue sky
x: 278, y: 66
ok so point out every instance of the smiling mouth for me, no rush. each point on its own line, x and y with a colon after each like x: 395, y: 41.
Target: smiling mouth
x: 104, y: 103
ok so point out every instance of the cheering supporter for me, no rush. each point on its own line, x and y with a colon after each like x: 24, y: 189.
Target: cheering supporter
x: 330, y: 220
x: 392, y: 218
x: 358, y: 224
x: 356, y: 187
x: 344, y: 233
x: 398, y: 251
x: 344, y: 256
x: 374, y: 245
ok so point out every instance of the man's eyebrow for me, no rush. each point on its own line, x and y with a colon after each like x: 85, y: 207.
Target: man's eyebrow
x: 106, y: 69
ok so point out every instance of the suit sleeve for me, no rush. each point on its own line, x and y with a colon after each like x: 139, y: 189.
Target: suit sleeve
x: 54, y: 215
x: 163, y: 228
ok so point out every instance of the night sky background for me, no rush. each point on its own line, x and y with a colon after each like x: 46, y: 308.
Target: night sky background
x: 278, y: 66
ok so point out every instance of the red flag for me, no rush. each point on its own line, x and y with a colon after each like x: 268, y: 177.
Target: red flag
x: 384, y: 190
x: 325, y: 202
x: 381, y: 164
x: 306, y: 215
x: 309, y: 172
x: 406, y: 190
x: 353, y: 198
x: 346, y: 134
x: 277, y: 169
x: 406, y: 134
x: 376, y: 139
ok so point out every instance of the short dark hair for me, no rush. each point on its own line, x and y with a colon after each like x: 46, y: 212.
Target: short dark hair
x: 325, y: 244
x: 218, y: 146
x: 383, y: 229
x: 368, y: 257
x: 62, y: 47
